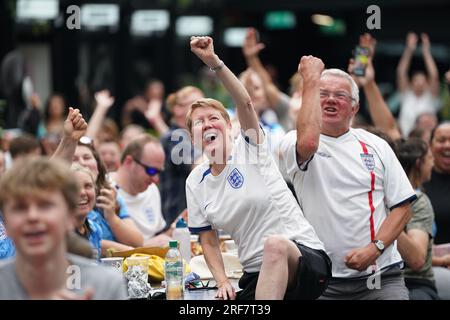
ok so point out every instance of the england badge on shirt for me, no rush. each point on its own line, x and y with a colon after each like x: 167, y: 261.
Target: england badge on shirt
x: 368, y: 160
x: 236, y: 179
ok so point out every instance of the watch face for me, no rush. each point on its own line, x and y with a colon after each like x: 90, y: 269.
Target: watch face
x: 379, y: 245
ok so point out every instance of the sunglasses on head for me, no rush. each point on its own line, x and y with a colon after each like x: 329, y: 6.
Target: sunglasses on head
x: 151, y: 171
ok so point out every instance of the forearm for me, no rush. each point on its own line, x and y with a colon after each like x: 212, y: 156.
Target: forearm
x: 271, y: 91
x: 66, y: 149
x: 379, y: 112
x: 309, y: 121
x: 246, y: 113
x: 441, y: 261
x: 411, y: 251
x: 125, y: 232
x: 95, y: 122
x: 394, y: 224
x: 232, y: 84
x: 402, y: 69
x: 430, y: 65
x: 159, y: 125
x: 115, y: 246
x: 433, y: 73
x: 213, y: 256
x: 405, y: 60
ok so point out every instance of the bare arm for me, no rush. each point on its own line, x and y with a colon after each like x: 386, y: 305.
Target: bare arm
x: 109, y: 244
x: 213, y: 257
x: 309, y: 119
x: 379, y: 111
x: 124, y: 230
x: 394, y: 224
x: 74, y: 128
x: 251, y: 49
x: 443, y: 261
x: 153, y: 116
x: 203, y: 48
x: 405, y: 60
x: 361, y: 258
x: 432, y: 70
x: 413, y: 247
x: 104, y: 101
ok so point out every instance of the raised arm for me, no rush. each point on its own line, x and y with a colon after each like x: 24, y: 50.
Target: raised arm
x: 74, y: 128
x: 154, y: 117
x: 379, y: 111
x: 309, y: 119
x: 104, y: 101
x: 213, y: 257
x: 251, y: 49
x: 405, y: 60
x: 432, y: 70
x: 203, y: 48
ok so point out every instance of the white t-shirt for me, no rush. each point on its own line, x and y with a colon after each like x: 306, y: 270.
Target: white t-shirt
x: 248, y: 200
x: 334, y: 191
x: 412, y: 106
x: 145, y: 210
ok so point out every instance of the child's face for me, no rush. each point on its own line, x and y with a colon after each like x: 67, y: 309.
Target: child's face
x: 38, y: 224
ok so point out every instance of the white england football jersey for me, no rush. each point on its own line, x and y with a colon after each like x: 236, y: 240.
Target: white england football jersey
x: 145, y: 210
x: 346, y: 191
x: 248, y: 200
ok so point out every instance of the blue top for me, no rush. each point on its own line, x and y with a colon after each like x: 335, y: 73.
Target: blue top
x: 96, y: 216
x: 7, y: 248
x: 95, y: 238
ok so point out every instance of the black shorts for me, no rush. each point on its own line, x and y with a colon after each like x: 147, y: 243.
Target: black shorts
x: 313, y: 275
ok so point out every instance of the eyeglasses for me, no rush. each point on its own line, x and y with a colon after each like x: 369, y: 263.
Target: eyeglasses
x: 339, y: 95
x: 151, y: 171
x: 201, y: 285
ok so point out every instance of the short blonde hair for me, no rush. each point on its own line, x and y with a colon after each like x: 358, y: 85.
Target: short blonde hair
x: 30, y: 177
x: 174, y: 98
x: 204, y: 103
x: 76, y: 167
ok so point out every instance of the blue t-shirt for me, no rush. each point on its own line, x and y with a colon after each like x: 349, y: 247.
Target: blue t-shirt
x: 96, y: 215
x: 7, y: 248
x: 95, y: 239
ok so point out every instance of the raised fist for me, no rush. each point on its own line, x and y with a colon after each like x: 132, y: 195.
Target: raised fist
x: 310, y: 68
x: 203, y: 48
x: 74, y: 126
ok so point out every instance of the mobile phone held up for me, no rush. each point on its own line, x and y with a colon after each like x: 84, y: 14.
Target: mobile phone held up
x: 361, y: 59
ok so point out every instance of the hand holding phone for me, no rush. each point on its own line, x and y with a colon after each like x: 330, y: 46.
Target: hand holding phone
x: 361, y: 57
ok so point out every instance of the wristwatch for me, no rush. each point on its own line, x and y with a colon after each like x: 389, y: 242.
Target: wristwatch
x: 379, y: 244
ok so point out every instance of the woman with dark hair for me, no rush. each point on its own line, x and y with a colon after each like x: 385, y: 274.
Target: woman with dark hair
x: 53, y: 116
x: 415, y: 242
x: 51, y: 126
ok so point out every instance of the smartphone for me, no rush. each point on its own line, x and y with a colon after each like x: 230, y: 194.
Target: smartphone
x: 361, y: 58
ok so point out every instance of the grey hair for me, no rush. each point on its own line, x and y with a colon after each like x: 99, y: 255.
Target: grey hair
x: 345, y: 75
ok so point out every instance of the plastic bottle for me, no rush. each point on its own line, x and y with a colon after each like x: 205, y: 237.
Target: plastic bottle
x: 173, y: 272
x: 182, y: 234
